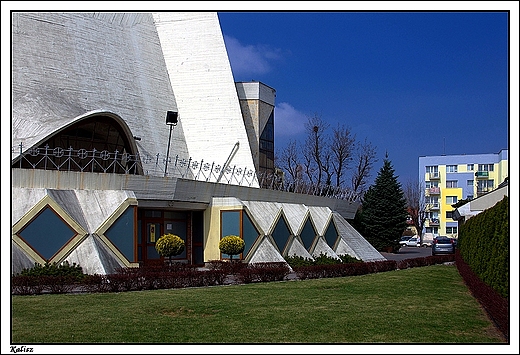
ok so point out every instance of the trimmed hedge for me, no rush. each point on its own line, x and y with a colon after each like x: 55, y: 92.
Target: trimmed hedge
x: 263, y: 272
x: 484, y: 245
x: 496, y: 306
x: 180, y: 275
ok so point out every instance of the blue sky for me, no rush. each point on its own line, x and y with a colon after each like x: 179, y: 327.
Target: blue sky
x: 412, y: 83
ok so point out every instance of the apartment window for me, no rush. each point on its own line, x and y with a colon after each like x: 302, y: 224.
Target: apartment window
x: 450, y: 200
x: 449, y: 214
x: 469, y: 183
x: 485, y: 185
x: 451, y: 230
x: 432, y: 184
x: 434, y: 230
x: 451, y: 168
x: 485, y: 167
x: 451, y: 183
x: 432, y: 169
x: 432, y: 215
x: 431, y: 200
x: 470, y: 167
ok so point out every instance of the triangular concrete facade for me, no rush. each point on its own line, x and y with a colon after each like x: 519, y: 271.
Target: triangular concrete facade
x: 266, y: 252
x: 321, y: 247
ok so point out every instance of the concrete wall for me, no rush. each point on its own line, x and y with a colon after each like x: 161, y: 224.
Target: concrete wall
x: 201, y: 77
x: 65, y: 65
x: 137, y: 66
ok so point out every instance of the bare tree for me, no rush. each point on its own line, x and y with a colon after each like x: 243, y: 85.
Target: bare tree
x: 414, y: 192
x: 289, y: 160
x: 365, y: 159
x: 342, y: 147
x: 315, y: 147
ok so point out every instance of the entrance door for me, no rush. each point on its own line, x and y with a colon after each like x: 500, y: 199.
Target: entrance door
x: 153, y: 232
x: 155, y: 223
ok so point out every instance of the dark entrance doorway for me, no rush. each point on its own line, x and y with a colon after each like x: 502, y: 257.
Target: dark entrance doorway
x: 153, y: 223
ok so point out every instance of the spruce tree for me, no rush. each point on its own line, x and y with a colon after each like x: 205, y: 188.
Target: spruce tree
x: 383, y: 210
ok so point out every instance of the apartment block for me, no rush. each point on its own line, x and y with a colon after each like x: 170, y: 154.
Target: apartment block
x: 448, y: 179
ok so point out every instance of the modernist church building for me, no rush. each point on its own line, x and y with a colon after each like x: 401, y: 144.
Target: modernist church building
x: 127, y: 126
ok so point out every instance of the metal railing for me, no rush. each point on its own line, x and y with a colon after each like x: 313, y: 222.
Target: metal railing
x: 102, y: 161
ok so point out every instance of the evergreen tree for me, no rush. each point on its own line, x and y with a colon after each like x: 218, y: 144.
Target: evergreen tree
x: 383, y: 211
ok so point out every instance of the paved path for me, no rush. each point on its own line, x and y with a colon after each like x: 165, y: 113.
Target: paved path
x: 408, y: 253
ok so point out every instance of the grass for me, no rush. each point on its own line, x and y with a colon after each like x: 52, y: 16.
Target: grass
x: 428, y: 304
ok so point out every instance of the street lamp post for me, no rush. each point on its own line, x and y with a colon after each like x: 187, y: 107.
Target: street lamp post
x: 171, y: 120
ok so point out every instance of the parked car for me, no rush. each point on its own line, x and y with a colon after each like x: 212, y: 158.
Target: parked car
x: 443, y: 245
x: 404, y: 239
x: 427, y: 240
x: 412, y: 242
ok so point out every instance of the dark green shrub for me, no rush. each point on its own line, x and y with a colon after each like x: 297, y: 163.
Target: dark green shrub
x: 484, y: 245
x: 347, y: 259
x: 324, y: 259
x: 298, y: 261
x: 54, y: 269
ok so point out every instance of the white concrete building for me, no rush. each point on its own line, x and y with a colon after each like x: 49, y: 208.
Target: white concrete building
x: 97, y: 174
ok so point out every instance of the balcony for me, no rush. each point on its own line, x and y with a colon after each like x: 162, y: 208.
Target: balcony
x: 434, y: 176
x: 483, y: 190
x: 433, y: 206
x: 434, y: 190
x: 434, y: 222
x: 482, y: 174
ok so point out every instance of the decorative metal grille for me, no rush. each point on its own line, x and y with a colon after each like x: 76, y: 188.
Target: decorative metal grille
x: 83, y: 160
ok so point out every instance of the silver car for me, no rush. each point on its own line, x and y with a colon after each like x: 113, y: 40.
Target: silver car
x: 443, y: 245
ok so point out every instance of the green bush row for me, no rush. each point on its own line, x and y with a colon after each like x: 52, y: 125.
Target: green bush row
x: 323, y: 259
x: 54, y: 269
x: 484, y: 245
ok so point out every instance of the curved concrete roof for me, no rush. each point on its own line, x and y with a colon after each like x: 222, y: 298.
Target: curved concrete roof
x: 136, y: 66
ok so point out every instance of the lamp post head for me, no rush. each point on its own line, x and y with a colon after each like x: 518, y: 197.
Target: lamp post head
x: 171, y: 117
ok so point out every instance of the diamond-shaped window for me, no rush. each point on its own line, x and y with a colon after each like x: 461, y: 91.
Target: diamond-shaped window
x: 281, y: 234
x: 121, y: 233
x: 47, y: 233
x: 331, y: 235
x: 308, y: 234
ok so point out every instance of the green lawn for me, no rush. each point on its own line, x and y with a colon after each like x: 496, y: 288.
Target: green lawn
x: 427, y: 304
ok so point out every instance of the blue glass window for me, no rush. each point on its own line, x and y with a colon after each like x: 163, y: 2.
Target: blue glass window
x: 281, y: 234
x: 308, y: 234
x: 249, y: 232
x: 47, y: 233
x: 331, y: 235
x: 230, y: 225
x: 121, y: 233
x: 177, y: 228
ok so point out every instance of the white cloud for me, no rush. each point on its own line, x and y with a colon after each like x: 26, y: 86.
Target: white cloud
x: 249, y: 59
x: 288, y: 121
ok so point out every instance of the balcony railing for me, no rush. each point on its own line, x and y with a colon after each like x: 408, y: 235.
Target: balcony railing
x: 434, y: 190
x: 433, y: 205
x: 95, y: 161
x: 482, y: 174
x: 434, y: 222
x: 434, y: 176
x: 483, y: 190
